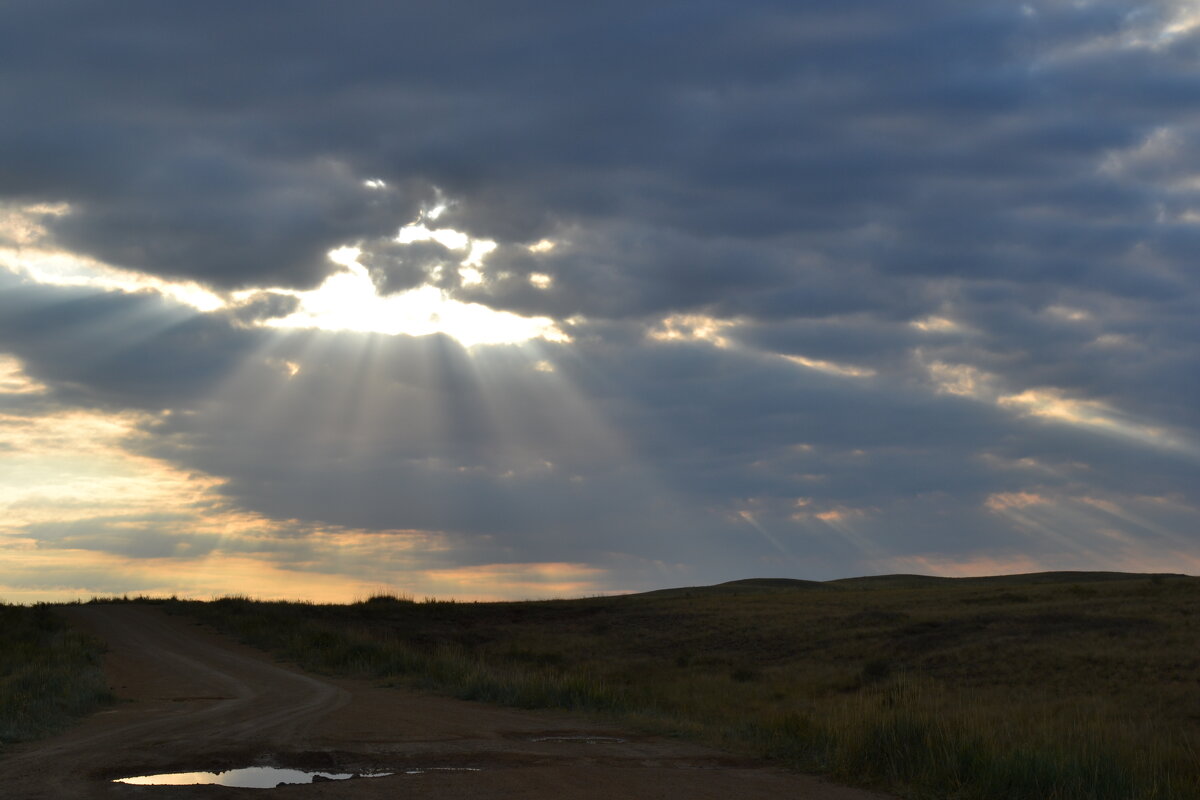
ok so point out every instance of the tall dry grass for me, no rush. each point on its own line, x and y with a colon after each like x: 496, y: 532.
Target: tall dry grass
x: 49, y: 674
x: 1075, y: 687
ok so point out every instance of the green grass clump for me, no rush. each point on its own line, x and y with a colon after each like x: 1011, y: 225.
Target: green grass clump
x: 49, y: 674
x: 1070, y: 686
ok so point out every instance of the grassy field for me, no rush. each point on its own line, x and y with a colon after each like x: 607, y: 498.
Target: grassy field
x: 49, y: 674
x: 1070, y: 685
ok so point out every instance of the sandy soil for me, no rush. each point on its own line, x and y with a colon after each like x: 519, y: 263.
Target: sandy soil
x: 195, y: 700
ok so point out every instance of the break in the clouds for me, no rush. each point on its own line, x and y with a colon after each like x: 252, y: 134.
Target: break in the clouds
x: 546, y: 299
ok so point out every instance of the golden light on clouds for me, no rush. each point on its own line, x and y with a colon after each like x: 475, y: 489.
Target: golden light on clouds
x: 70, y: 464
x: 21, y: 225
x: 13, y: 379
x: 937, y: 324
x: 25, y: 250
x: 60, y: 268
x: 960, y: 379
x: 1003, y: 501
x: 526, y: 581
x: 831, y: 367
x: 838, y: 515
x: 1050, y: 404
x: 1069, y: 314
x: 85, y: 513
x: 693, y: 328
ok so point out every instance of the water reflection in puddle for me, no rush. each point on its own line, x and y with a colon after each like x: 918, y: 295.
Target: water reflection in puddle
x: 581, y: 739
x: 248, y: 778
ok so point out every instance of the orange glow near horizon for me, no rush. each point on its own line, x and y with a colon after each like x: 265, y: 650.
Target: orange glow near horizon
x: 86, y: 515
x: 1177, y: 562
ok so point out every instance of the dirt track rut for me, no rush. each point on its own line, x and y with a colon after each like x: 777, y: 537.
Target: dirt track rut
x: 194, y: 700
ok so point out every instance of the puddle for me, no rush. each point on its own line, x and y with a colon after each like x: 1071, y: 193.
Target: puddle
x: 582, y: 739
x: 423, y: 770
x: 248, y: 778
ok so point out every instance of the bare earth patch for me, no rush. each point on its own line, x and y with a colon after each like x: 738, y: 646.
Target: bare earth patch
x: 192, y: 700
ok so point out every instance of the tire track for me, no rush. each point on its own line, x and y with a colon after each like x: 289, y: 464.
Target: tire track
x: 190, y: 692
x: 193, y: 700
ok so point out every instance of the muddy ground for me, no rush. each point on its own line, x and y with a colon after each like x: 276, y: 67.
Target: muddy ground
x: 193, y: 700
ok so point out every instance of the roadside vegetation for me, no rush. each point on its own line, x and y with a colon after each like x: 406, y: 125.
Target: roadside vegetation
x: 49, y: 673
x: 1046, y: 687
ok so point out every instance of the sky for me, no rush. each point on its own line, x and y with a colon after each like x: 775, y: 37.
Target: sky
x: 540, y: 299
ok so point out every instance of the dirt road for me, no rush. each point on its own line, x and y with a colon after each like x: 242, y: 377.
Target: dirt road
x: 194, y: 700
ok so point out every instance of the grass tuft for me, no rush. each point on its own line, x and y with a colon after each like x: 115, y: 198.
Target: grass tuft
x: 49, y: 674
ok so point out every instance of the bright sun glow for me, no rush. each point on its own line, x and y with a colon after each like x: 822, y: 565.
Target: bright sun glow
x: 348, y: 301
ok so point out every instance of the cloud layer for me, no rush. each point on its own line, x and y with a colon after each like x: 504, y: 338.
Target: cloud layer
x: 842, y: 287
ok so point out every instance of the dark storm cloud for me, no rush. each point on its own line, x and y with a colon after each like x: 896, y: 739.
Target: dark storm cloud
x: 632, y: 270
x: 264, y: 306
x: 394, y: 266
x: 137, y: 537
x: 230, y: 144
x: 1004, y: 192
x: 648, y: 453
x: 135, y: 351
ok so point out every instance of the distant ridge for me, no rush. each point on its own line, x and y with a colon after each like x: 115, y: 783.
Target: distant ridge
x: 1023, y: 579
x: 899, y: 580
x: 743, y: 586
x: 905, y: 581
x: 774, y: 583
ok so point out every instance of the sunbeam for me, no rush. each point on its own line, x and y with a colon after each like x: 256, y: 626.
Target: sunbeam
x: 349, y: 300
